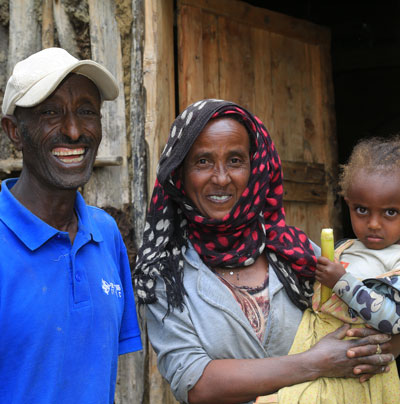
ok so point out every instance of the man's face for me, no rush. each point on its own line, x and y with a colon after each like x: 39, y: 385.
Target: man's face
x: 61, y: 135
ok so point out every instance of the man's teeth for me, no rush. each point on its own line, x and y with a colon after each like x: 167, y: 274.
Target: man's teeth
x: 218, y: 198
x: 68, y: 152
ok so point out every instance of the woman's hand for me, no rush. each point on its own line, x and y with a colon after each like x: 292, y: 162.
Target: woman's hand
x: 336, y: 357
x: 374, y: 352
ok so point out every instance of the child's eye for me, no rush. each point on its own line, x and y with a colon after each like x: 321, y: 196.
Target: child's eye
x: 361, y: 210
x: 391, y: 212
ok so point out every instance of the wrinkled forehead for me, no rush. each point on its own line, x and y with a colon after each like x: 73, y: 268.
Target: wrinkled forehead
x: 79, y: 85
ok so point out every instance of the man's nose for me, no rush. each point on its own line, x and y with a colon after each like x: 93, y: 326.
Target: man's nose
x: 221, y: 175
x: 71, y: 126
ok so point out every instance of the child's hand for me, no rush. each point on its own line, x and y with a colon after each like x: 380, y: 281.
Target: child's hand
x: 328, y: 272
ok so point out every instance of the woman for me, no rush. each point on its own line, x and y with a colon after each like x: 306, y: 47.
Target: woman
x: 224, y: 279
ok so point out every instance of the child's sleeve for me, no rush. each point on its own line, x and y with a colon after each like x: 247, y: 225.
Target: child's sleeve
x: 377, y: 301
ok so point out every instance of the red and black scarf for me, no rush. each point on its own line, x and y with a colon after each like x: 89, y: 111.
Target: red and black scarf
x: 255, y: 225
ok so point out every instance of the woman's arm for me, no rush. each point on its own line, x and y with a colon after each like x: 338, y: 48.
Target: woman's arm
x: 240, y: 380
x: 195, y: 377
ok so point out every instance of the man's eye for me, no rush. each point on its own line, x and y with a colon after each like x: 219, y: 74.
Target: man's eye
x: 361, y: 211
x: 48, y: 112
x: 87, y: 112
x: 391, y: 212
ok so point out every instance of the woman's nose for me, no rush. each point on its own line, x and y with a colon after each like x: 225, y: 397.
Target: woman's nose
x: 221, y: 175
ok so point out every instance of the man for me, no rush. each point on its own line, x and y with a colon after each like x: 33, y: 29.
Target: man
x: 66, y: 302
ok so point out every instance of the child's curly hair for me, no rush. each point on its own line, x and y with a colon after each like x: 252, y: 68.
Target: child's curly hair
x: 373, y: 154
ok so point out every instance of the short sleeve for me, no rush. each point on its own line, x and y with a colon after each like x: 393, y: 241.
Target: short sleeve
x: 129, y: 337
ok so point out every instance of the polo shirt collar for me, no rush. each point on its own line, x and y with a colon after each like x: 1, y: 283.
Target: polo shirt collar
x: 86, y: 223
x: 31, y: 230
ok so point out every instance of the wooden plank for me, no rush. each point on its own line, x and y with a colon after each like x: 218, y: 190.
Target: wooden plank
x: 158, y: 79
x: 211, y: 78
x: 47, y: 24
x: 262, y: 18
x: 65, y: 30
x: 298, y: 171
x: 190, y: 62
x: 263, y: 99
x: 236, y: 65
x: 304, y: 192
x: 24, y: 32
x: 287, y: 69
x: 109, y: 186
x: 6, y: 149
x: 324, y: 97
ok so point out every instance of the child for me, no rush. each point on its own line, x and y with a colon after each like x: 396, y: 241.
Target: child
x: 367, y: 278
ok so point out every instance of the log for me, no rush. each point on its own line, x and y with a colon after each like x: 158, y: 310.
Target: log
x: 47, y: 24
x: 9, y: 165
x: 6, y: 149
x: 109, y: 186
x: 137, y: 119
x: 24, y: 32
x: 65, y: 30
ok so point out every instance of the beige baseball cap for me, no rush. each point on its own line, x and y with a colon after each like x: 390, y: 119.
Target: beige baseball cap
x: 36, y: 77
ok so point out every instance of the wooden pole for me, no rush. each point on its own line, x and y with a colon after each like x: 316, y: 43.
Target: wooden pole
x: 109, y: 186
x: 47, y: 24
x: 24, y: 32
x: 65, y: 31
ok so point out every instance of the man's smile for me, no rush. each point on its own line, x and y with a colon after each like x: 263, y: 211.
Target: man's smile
x: 67, y: 155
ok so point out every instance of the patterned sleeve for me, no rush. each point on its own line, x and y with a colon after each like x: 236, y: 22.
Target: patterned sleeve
x: 377, y: 301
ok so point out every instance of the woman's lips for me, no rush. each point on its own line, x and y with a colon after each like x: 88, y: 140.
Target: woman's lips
x: 219, y: 198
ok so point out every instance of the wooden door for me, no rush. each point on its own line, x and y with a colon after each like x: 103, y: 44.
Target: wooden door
x: 279, y: 68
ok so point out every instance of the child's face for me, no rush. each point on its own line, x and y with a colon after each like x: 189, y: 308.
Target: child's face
x: 374, y: 203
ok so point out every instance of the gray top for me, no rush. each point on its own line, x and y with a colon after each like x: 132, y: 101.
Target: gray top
x: 213, y: 326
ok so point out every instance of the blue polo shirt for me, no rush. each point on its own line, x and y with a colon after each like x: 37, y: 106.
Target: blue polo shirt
x: 66, y: 311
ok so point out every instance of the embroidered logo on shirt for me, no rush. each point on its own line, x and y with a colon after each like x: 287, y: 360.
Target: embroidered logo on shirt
x: 110, y: 288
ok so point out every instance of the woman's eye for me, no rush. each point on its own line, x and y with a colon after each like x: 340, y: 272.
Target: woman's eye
x: 391, y: 212
x: 235, y: 160
x: 361, y: 211
x: 202, y: 161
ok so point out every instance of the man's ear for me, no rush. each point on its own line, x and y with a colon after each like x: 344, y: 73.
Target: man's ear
x: 10, y: 127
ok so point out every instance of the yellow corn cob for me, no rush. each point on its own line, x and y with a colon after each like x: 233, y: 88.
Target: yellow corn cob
x: 328, y: 251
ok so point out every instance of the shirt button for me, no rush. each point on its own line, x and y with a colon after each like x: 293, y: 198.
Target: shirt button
x: 78, y: 277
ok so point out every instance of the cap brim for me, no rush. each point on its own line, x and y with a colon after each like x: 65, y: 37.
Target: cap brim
x: 101, y: 77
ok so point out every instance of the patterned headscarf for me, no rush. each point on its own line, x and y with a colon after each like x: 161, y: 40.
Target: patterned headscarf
x: 255, y: 225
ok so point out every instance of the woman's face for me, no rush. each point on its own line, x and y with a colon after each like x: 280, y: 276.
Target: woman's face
x: 217, y: 168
